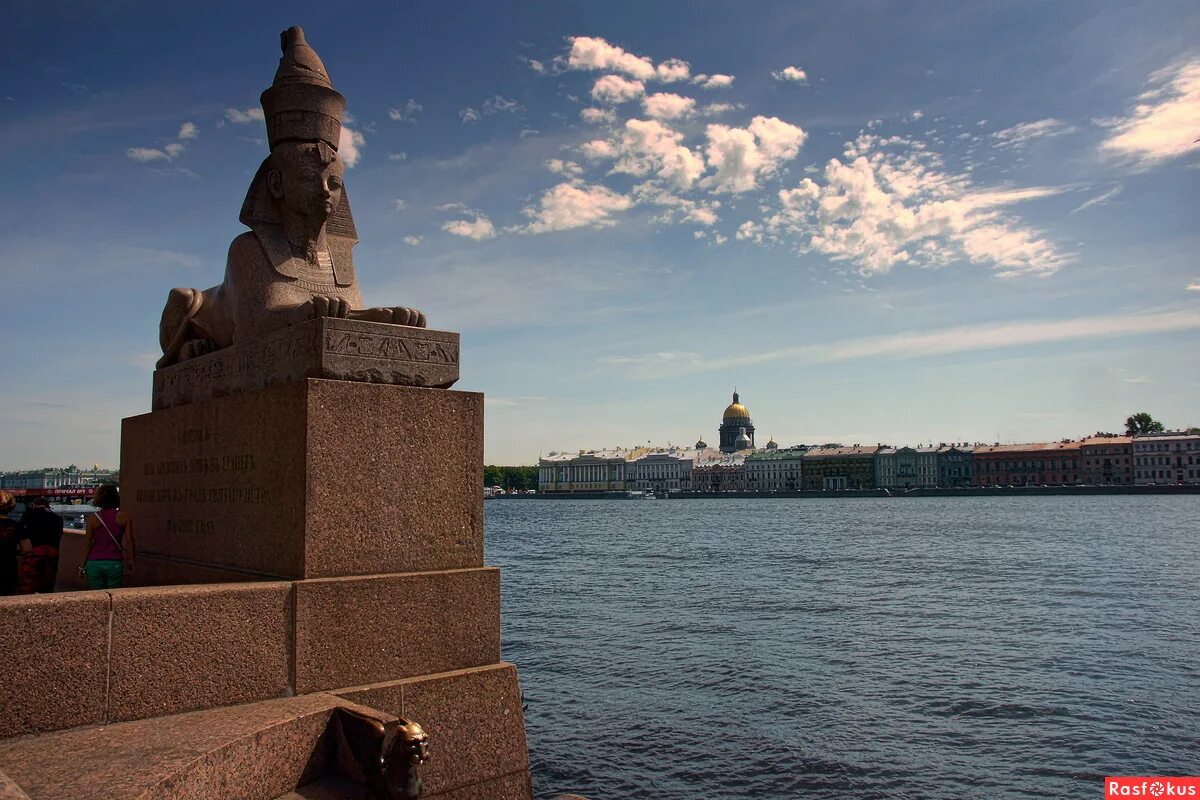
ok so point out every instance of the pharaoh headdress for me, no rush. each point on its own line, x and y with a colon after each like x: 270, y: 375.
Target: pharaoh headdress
x: 301, y: 105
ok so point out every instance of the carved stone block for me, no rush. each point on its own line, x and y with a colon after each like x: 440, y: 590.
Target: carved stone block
x: 311, y: 478
x: 338, y: 349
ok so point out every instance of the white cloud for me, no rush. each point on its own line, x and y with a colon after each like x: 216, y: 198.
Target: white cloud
x: 500, y: 105
x: 478, y: 229
x: 648, y: 146
x: 570, y: 205
x: 794, y: 74
x: 1165, y: 123
x: 598, y: 149
x: 144, y: 154
x: 399, y: 204
x: 243, y: 117
x: 668, y: 106
x: 598, y: 116
x: 672, y: 70
x: 565, y: 168
x: 916, y: 115
x: 349, y: 144
x: 407, y: 112
x: 742, y: 156
x: 713, y: 81
x: 1194, y: 287
x: 884, y: 207
x: 468, y: 115
x: 716, y: 109
x: 169, y: 151
x: 964, y: 339
x: 535, y: 65
x: 677, y: 209
x: 593, y: 53
x: 915, y: 344
x: 1100, y: 199
x: 413, y: 240
x: 749, y: 231
x: 401, y: 156
x: 613, y: 89
x: 1021, y: 135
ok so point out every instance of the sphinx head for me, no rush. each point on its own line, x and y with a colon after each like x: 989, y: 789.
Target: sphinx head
x: 305, y: 179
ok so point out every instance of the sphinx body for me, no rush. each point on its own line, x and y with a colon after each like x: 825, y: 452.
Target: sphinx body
x: 296, y: 261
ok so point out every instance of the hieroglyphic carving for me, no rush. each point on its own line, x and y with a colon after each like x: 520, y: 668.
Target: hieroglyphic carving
x: 333, y: 349
x: 391, y: 347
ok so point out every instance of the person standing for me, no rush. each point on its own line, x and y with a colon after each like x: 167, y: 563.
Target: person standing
x: 108, y: 542
x: 8, y: 544
x: 40, y: 533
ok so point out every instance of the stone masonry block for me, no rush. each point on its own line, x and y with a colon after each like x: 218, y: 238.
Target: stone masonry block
x: 55, y: 650
x: 355, y: 631
x: 182, y: 648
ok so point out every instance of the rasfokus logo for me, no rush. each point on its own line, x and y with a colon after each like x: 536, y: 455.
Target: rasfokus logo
x: 1151, y: 786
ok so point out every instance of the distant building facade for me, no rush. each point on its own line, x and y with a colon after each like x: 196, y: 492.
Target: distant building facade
x: 1171, y: 457
x: 585, y: 471
x: 57, y: 478
x: 955, y: 465
x: 775, y: 469
x: 836, y: 467
x: 906, y: 467
x: 1107, y: 460
x: 724, y: 472
x: 1032, y: 464
x: 661, y: 470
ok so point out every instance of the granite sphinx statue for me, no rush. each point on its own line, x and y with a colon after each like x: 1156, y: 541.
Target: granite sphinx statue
x: 296, y: 262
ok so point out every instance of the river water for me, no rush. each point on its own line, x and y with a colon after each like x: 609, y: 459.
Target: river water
x: 823, y: 648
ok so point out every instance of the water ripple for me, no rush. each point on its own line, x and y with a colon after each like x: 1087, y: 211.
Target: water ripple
x: 930, y: 648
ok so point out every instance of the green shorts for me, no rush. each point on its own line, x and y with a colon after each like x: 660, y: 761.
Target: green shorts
x: 104, y: 574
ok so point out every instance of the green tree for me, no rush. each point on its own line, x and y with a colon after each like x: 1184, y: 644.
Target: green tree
x: 511, y: 478
x: 491, y: 475
x: 1142, y: 422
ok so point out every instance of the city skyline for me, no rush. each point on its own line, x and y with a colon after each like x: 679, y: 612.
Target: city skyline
x: 905, y: 224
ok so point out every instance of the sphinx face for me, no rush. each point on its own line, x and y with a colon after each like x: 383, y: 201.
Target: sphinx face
x: 307, y: 188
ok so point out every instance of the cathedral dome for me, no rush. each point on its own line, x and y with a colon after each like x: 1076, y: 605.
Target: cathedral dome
x: 736, y: 410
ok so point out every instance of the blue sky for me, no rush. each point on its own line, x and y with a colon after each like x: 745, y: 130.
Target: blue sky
x: 891, y: 223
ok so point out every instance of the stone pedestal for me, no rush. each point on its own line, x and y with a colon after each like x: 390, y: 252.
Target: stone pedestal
x: 304, y: 544
x: 307, y: 479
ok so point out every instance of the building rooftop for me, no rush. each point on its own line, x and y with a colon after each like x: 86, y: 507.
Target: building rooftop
x: 842, y: 452
x: 1098, y: 440
x: 1030, y: 447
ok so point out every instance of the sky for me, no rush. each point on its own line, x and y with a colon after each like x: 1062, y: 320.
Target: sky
x: 881, y: 222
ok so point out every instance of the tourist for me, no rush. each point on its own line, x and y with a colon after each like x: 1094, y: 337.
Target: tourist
x: 108, y: 543
x: 8, y: 545
x: 40, y: 532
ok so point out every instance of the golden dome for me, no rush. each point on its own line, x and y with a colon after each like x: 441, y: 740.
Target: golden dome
x: 736, y: 410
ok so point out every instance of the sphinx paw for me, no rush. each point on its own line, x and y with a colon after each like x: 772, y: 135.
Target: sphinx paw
x: 326, y: 306
x: 408, y: 316
x: 193, y: 348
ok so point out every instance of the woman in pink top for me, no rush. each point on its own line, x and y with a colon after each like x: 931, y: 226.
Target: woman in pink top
x: 109, y: 541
